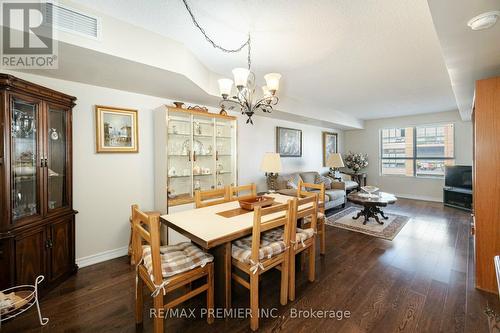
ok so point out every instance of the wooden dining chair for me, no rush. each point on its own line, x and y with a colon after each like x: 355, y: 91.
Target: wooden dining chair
x: 235, y: 192
x: 167, y: 268
x: 303, y: 240
x: 131, y: 246
x: 211, y: 197
x: 320, y: 190
x: 254, y: 259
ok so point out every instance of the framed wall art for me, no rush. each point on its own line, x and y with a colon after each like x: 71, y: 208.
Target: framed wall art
x: 288, y: 142
x: 116, y: 130
x: 330, y: 145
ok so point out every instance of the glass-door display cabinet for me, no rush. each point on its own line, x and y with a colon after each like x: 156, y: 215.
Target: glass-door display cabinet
x: 36, y: 213
x: 194, y: 150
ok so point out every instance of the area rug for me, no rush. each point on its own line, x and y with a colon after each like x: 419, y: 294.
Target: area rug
x: 388, y: 230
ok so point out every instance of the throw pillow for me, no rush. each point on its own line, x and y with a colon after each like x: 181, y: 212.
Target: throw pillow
x: 323, y: 180
x: 293, y: 181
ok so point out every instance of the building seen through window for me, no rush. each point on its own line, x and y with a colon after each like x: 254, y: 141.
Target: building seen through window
x: 421, y: 151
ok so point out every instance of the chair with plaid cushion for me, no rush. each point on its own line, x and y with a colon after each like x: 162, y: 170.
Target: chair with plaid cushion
x: 305, y: 239
x: 167, y: 268
x: 262, y: 251
x: 320, y: 190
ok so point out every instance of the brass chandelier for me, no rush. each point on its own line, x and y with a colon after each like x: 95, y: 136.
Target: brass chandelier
x: 244, y: 79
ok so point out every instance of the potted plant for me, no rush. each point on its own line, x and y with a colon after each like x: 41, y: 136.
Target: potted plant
x: 356, y: 161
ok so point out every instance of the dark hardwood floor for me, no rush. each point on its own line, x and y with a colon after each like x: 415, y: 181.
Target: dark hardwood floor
x: 422, y: 281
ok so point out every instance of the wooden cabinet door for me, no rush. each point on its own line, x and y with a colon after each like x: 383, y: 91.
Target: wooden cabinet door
x: 5, y: 263
x: 57, y: 152
x: 26, y: 159
x: 61, y: 247
x: 30, y: 249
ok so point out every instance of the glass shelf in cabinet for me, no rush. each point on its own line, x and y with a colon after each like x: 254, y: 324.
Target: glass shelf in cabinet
x: 19, y: 179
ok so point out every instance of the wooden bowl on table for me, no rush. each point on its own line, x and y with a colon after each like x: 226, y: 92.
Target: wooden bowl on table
x: 258, y: 201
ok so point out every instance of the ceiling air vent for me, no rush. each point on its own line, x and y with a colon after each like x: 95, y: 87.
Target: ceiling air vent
x: 73, y: 21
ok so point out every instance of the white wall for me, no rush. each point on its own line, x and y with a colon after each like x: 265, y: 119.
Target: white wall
x: 254, y: 141
x: 367, y: 141
x: 105, y: 185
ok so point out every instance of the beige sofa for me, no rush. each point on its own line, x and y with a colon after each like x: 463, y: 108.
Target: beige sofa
x: 335, y: 191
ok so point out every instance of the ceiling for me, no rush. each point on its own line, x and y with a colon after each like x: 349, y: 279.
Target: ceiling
x: 368, y: 59
x: 90, y: 67
x: 469, y: 55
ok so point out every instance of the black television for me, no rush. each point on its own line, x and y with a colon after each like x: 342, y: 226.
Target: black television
x: 458, y: 176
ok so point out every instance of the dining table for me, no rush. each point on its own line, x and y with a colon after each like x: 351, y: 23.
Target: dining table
x: 213, y: 228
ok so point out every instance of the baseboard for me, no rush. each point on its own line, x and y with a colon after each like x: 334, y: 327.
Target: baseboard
x: 418, y: 197
x: 102, y: 256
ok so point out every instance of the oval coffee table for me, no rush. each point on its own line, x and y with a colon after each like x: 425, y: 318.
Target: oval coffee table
x: 371, y: 204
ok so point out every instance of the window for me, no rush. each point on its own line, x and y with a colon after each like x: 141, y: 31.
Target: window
x: 421, y: 151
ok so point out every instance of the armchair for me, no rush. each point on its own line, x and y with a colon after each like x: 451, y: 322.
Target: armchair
x: 350, y: 183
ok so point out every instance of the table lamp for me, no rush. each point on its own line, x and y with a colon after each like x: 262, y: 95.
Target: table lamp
x: 271, y: 165
x: 334, y: 162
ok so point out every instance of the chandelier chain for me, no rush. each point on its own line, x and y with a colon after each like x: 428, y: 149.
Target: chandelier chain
x: 213, y: 43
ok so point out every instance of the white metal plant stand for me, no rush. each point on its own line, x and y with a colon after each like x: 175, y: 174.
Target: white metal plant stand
x: 29, y: 297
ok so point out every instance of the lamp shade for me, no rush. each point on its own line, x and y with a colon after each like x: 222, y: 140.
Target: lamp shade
x: 271, y: 163
x: 335, y: 161
x: 241, y: 76
x: 225, y: 86
x: 273, y: 81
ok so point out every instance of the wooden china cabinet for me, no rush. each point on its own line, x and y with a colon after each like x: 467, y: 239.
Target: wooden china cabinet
x: 37, y: 220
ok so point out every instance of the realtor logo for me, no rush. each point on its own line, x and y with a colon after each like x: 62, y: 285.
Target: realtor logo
x: 28, y: 36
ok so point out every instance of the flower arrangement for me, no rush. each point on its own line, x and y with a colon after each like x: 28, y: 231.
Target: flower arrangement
x: 356, y: 161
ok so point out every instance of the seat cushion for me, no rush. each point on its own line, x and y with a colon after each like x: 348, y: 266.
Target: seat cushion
x: 321, y: 216
x: 300, y: 236
x: 335, y: 194
x: 270, y: 245
x: 349, y: 184
x: 177, y: 258
x: 313, y: 190
x: 303, y: 234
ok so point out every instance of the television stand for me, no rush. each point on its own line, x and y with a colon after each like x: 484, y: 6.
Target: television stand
x: 458, y: 197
